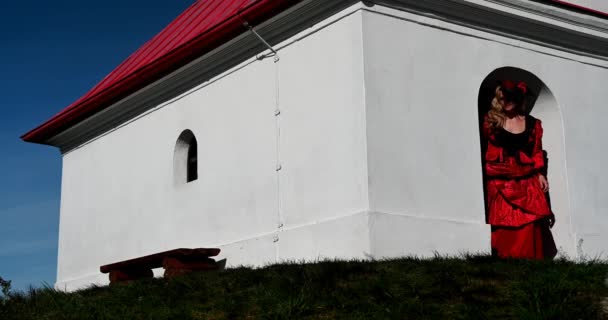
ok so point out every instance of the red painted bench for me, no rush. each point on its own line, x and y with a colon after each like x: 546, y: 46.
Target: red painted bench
x: 175, y: 262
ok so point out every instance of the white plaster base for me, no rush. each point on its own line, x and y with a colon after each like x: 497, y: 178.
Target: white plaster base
x: 341, y: 238
x: 395, y: 235
x: 345, y: 237
x: 82, y: 283
x: 359, y: 236
x: 253, y: 252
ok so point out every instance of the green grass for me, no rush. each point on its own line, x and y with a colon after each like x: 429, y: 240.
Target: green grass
x: 472, y: 287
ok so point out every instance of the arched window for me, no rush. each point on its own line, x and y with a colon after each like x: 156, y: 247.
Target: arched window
x: 185, y: 159
x: 544, y: 106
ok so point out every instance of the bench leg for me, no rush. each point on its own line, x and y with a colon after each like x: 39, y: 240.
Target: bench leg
x: 175, y: 266
x: 124, y: 276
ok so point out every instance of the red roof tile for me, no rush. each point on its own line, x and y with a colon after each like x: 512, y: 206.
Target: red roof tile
x: 203, y: 27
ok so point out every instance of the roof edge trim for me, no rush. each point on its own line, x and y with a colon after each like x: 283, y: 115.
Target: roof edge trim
x: 229, y: 28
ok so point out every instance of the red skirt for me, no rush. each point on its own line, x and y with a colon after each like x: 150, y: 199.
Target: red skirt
x: 530, y: 241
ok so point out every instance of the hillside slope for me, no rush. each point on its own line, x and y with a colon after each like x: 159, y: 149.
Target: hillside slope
x: 472, y: 287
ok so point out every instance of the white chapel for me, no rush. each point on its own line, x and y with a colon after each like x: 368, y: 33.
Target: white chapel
x: 309, y: 129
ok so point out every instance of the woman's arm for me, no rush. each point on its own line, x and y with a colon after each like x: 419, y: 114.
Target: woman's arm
x: 538, y: 156
x: 537, y: 152
x: 486, y: 129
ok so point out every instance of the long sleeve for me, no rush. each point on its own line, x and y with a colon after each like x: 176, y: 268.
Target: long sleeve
x: 537, y: 154
x: 486, y: 130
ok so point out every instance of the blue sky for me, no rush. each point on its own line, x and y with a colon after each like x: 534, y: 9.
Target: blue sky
x: 51, y: 53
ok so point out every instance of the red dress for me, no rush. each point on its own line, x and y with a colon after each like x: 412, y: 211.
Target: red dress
x: 517, y: 205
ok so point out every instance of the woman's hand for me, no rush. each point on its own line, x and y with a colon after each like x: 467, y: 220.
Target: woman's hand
x: 551, y: 220
x: 544, y: 184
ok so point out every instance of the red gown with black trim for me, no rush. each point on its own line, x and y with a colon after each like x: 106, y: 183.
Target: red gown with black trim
x: 517, y: 206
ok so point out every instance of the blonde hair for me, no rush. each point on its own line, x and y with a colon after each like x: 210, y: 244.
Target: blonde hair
x: 496, y: 115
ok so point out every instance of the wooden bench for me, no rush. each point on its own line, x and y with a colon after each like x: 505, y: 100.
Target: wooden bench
x: 175, y: 262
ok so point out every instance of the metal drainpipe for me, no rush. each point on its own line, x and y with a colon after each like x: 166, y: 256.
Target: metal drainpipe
x: 277, y: 113
x: 274, y: 53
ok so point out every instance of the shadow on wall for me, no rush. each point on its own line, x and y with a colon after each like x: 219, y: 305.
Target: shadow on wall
x: 542, y: 105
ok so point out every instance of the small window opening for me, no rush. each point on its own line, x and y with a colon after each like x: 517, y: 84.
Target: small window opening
x: 185, y: 161
x: 192, y: 162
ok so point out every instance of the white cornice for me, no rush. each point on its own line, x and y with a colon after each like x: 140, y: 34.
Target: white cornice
x: 509, y: 21
x: 552, y: 12
x: 565, y: 33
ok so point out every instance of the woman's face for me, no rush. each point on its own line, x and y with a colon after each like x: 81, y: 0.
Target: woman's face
x: 509, y: 106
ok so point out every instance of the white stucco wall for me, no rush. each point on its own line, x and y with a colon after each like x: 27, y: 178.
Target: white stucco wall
x: 119, y: 196
x: 377, y: 143
x: 322, y: 144
x: 422, y: 81
x: 423, y: 138
x: 580, y: 90
x: 120, y: 201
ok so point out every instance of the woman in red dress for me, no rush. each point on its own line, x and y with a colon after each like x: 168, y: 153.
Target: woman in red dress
x: 518, y: 210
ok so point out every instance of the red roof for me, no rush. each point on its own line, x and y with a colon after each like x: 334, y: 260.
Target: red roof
x: 582, y: 8
x: 204, y: 26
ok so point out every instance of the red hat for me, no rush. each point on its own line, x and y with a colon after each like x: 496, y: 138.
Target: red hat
x: 514, y: 92
x: 510, y: 85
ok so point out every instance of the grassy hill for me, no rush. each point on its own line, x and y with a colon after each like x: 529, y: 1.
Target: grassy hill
x: 472, y: 287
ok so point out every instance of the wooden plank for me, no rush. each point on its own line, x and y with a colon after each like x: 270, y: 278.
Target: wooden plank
x: 156, y: 260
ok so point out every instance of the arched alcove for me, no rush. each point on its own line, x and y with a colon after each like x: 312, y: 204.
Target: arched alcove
x: 543, y: 105
x: 185, y: 158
